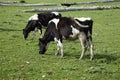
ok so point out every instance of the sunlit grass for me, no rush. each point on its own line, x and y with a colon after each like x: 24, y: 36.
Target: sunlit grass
x: 20, y: 59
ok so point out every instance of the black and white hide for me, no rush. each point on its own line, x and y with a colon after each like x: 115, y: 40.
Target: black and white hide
x: 69, y: 29
x: 37, y: 21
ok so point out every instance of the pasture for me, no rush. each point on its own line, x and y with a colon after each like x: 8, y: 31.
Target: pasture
x: 20, y: 59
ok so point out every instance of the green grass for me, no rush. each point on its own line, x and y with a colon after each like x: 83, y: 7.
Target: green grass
x: 20, y: 60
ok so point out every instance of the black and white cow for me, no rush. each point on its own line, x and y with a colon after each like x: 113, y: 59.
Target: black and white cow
x: 37, y: 21
x: 69, y: 29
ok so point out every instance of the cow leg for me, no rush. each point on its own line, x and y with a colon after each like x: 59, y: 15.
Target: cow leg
x: 83, y: 44
x: 39, y: 29
x: 40, y: 32
x: 60, y: 48
x: 91, y: 48
x: 33, y: 34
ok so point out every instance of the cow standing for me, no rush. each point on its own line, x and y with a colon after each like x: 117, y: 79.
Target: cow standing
x: 37, y: 21
x: 69, y: 29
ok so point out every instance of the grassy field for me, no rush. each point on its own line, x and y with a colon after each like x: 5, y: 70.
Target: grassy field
x: 20, y: 60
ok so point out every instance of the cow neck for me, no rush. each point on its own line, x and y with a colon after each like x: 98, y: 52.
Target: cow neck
x: 48, y: 38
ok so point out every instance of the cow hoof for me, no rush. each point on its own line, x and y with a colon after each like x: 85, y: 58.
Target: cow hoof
x: 80, y: 58
x: 91, y: 59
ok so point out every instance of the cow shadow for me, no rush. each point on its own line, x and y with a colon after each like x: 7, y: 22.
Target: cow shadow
x: 105, y: 56
x: 102, y: 57
x: 5, y: 29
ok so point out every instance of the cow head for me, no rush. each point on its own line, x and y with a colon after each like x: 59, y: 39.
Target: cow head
x: 31, y: 25
x: 25, y: 33
x: 42, y: 46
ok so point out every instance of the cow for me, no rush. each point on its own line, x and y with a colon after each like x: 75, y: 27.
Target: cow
x: 37, y: 21
x: 69, y: 29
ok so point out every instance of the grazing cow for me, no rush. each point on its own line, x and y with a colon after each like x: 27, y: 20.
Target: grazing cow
x: 37, y: 21
x: 69, y: 29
